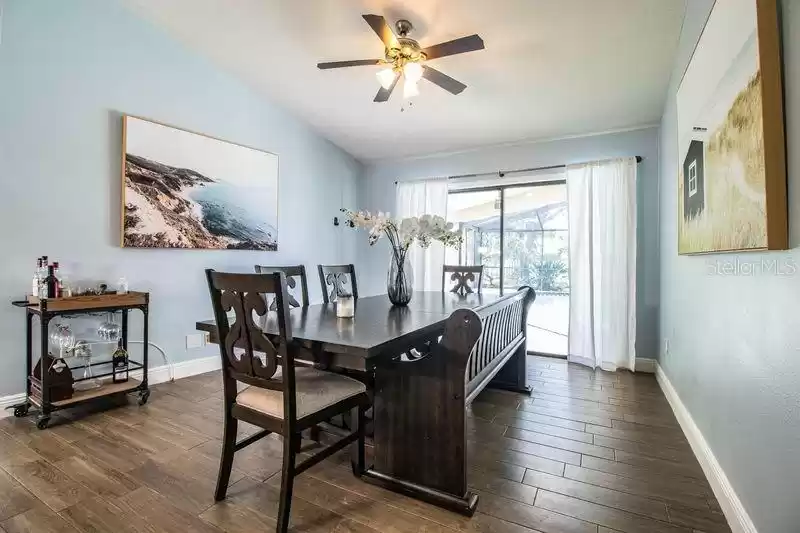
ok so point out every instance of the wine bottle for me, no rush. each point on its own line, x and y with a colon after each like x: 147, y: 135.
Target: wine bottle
x: 51, y: 283
x: 119, y: 364
x: 57, y: 274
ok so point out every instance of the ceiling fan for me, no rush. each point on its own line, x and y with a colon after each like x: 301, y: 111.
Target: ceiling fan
x: 404, y: 56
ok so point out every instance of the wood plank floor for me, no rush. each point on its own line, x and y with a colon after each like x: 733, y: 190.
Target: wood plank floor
x: 586, y: 452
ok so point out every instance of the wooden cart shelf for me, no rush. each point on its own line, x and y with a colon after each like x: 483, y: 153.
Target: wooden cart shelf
x: 94, y: 302
x: 107, y: 389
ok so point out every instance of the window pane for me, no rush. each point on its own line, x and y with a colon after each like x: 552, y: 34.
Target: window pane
x: 477, y: 216
x: 536, y: 254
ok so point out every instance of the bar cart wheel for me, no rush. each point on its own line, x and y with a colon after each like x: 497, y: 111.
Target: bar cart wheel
x: 21, y: 410
x: 144, y: 396
x: 42, y: 422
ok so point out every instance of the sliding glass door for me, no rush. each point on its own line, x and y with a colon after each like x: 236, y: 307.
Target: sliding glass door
x: 477, y: 215
x: 535, y: 253
x: 520, y: 234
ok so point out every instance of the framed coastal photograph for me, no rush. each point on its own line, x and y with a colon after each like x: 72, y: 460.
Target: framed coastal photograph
x: 185, y: 190
x: 731, y: 149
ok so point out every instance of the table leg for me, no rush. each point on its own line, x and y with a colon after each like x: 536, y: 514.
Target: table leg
x: 420, y: 431
x: 514, y: 374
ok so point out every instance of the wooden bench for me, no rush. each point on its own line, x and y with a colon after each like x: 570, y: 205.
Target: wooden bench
x: 422, y: 394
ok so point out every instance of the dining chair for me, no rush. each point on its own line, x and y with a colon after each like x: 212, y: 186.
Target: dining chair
x: 280, y: 398
x: 334, y: 280
x: 462, y: 275
x: 292, y: 273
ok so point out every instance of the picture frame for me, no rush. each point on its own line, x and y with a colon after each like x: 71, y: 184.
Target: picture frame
x: 182, y: 189
x: 731, y: 134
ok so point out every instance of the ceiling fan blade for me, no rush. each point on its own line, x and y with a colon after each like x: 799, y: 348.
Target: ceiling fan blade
x: 457, y: 46
x: 379, y: 26
x: 354, y: 63
x: 442, y: 80
x: 384, y: 94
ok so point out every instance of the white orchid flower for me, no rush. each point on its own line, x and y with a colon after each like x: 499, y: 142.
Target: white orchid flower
x: 403, y: 233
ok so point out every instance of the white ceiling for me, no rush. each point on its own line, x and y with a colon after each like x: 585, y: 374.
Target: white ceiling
x: 551, y: 68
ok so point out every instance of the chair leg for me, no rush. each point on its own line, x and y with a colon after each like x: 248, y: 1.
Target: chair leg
x: 226, y: 461
x: 287, y: 481
x: 358, y: 417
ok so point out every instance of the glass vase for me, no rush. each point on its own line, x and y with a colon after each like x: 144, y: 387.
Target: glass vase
x: 400, y: 279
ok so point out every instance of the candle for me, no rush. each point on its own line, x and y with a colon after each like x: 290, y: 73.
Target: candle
x: 345, y: 307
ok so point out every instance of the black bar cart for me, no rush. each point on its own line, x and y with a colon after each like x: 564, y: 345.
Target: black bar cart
x: 49, y: 383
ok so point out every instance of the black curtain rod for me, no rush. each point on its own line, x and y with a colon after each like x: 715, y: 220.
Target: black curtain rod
x: 502, y: 173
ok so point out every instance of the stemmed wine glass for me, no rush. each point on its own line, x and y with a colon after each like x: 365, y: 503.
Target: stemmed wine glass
x: 83, y: 350
x: 63, y: 338
x: 109, y: 330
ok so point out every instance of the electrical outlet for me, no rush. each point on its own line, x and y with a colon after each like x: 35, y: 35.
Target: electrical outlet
x: 195, y: 340
x: 666, y: 346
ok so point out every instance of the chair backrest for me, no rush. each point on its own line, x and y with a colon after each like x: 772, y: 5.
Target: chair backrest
x: 293, y: 273
x: 464, y: 278
x: 247, y: 354
x: 337, y: 279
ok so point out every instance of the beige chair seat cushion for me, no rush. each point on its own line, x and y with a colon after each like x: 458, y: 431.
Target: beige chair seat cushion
x: 315, y: 390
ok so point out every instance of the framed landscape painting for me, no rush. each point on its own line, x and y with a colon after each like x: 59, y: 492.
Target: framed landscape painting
x: 731, y: 148
x: 185, y: 190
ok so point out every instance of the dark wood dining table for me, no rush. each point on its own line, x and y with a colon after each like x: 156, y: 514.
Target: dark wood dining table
x: 375, y: 329
x: 377, y: 333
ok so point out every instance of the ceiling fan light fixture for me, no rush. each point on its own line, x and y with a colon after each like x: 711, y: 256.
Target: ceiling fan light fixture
x: 412, y: 72
x: 403, y: 56
x: 385, y: 77
x: 410, y: 88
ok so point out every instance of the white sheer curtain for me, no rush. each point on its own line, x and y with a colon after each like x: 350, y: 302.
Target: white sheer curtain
x: 601, y: 199
x: 424, y: 197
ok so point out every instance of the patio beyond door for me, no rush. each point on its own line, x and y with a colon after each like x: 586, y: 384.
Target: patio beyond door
x: 520, y: 234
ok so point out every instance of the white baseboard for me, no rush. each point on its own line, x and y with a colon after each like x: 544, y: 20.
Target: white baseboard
x: 184, y: 369
x: 8, y: 401
x: 738, y: 519
x: 159, y: 374
x: 648, y: 366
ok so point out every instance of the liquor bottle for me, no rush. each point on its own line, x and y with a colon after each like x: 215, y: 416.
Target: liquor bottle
x: 42, y: 276
x: 51, y: 283
x: 59, y: 285
x: 36, y: 278
x: 119, y: 364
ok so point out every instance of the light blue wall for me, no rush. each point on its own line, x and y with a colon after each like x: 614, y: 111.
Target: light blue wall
x: 68, y: 69
x: 734, y: 354
x: 376, y: 192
